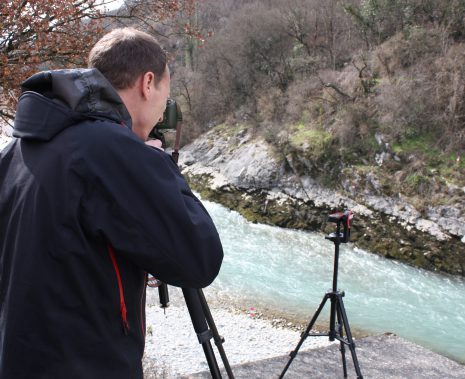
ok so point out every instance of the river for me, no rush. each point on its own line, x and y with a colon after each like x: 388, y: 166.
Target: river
x: 289, y: 271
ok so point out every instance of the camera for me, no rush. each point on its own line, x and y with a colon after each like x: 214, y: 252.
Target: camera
x: 171, y: 116
x: 171, y: 119
x: 341, y: 218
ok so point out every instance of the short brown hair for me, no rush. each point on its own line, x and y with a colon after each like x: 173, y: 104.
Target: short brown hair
x: 124, y: 54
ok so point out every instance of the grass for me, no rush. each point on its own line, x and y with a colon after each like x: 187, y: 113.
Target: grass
x: 450, y: 166
x: 416, y: 144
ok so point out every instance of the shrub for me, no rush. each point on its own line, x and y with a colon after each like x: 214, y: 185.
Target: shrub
x: 407, y: 48
x: 449, y: 75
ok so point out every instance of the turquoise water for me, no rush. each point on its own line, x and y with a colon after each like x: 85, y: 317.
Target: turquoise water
x: 289, y: 271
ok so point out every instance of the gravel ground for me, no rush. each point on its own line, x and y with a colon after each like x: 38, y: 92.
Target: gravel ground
x: 172, y: 349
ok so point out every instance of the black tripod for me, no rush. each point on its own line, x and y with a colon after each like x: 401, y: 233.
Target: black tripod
x: 196, y: 303
x: 337, y: 305
x: 203, y: 323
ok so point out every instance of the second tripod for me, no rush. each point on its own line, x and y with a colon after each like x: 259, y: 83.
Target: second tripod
x: 337, y: 312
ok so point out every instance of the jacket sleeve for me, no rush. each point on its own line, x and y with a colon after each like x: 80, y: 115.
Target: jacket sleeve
x: 138, y: 200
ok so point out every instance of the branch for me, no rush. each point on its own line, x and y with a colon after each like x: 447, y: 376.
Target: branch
x: 365, y: 85
x: 337, y: 89
x: 322, y: 98
x: 6, y: 114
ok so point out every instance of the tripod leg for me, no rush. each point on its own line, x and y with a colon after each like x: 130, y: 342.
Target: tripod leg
x: 305, y: 334
x: 204, y: 334
x: 216, y: 336
x: 332, y: 318
x: 350, y: 340
x: 341, y: 341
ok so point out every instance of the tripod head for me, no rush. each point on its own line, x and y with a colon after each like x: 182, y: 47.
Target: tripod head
x: 341, y: 218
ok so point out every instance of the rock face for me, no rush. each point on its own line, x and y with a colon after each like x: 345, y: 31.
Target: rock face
x: 245, y: 173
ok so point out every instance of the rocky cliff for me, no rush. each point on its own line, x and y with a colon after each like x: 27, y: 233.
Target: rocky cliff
x: 241, y: 170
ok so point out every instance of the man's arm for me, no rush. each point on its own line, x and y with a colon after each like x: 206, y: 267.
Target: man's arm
x: 138, y: 200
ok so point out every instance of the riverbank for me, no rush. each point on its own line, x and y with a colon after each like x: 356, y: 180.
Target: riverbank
x: 257, y: 346
x: 233, y: 166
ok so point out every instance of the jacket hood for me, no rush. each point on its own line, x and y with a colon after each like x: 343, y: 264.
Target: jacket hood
x: 54, y: 100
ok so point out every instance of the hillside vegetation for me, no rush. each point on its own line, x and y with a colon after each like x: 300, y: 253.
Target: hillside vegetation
x: 367, y: 95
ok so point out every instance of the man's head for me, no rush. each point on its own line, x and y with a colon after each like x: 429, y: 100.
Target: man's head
x: 135, y: 64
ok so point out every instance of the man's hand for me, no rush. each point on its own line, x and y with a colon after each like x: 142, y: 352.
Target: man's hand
x: 155, y: 143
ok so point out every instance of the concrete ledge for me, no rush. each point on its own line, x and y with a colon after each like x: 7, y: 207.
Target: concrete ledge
x: 384, y: 356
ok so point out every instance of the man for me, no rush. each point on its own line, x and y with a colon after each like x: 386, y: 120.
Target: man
x: 86, y: 210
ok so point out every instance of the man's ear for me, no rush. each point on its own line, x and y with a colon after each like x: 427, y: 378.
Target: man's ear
x: 147, y: 82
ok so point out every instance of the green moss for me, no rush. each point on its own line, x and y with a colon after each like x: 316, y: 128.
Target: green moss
x: 228, y: 130
x: 317, y: 140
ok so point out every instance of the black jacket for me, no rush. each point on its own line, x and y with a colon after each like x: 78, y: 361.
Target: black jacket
x: 86, y: 209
